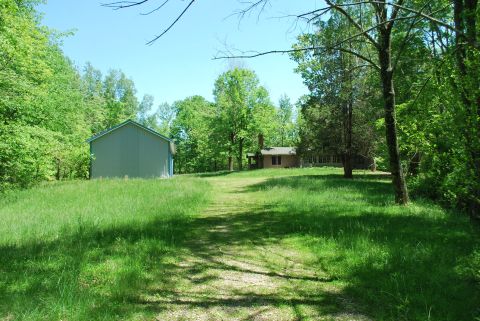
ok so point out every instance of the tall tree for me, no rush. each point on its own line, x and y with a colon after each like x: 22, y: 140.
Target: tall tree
x: 144, y: 110
x: 285, y: 114
x: 340, y: 88
x: 95, y: 105
x: 119, y: 93
x: 192, y: 131
x: 467, y: 40
x: 240, y: 100
x: 164, y: 115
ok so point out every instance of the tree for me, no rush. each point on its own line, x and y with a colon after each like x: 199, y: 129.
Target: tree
x: 39, y: 107
x: 285, y: 114
x: 164, y: 116
x: 192, y: 131
x: 95, y: 105
x: 340, y: 86
x: 242, y: 108
x: 468, y: 74
x: 144, y: 108
x: 119, y: 94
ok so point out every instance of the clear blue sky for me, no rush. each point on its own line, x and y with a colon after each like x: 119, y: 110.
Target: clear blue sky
x: 180, y: 64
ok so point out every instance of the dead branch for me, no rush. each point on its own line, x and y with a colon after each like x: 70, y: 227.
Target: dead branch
x: 123, y: 4
x: 156, y: 9
x: 172, y: 24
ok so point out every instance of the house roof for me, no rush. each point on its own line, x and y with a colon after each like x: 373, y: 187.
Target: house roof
x: 279, y: 151
x: 129, y: 121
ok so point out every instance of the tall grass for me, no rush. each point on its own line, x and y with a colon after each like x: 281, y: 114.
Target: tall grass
x: 90, y: 250
x: 78, y: 250
x: 416, y: 262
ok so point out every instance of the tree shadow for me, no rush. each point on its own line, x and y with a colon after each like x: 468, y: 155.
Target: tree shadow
x: 214, y: 174
x: 375, y: 189
x: 87, y: 275
x: 401, y: 264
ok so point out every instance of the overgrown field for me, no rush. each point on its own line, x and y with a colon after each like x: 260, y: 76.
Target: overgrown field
x: 314, y: 246
x: 418, y: 262
x: 78, y: 250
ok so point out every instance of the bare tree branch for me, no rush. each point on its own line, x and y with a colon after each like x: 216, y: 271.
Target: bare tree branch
x: 312, y: 48
x: 156, y: 9
x: 172, y: 24
x: 405, y: 39
x: 123, y: 4
x: 395, y: 13
x: 352, y: 21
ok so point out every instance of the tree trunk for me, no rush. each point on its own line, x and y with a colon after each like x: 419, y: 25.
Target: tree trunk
x: 347, y: 115
x: 386, y: 75
x: 347, y: 164
x: 240, y: 154
x: 373, y: 167
x: 414, y: 164
x: 58, y: 174
x: 230, y: 152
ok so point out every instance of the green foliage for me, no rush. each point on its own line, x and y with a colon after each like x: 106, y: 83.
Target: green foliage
x: 164, y: 116
x: 287, y: 134
x: 244, y: 112
x: 47, y: 108
x: 436, y: 75
x: 192, y: 130
x: 335, y: 80
x: 43, y: 131
x: 119, y: 94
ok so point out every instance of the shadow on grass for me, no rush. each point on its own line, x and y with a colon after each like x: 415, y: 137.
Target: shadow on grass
x: 399, y: 264
x: 374, y: 189
x: 88, y: 275
x: 214, y: 174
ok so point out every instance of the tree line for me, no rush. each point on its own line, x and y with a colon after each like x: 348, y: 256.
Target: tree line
x: 48, y: 108
x: 395, y: 82
x: 417, y: 60
x: 212, y: 136
x: 400, y: 82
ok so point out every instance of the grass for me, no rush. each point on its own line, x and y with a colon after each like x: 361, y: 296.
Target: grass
x: 78, y: 250
x: 400, y: 263
x: 294, y: 244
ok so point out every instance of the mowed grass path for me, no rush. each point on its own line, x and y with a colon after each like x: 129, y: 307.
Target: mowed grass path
x: 297, y: 244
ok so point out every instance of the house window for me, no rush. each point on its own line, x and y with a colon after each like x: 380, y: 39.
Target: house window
x: 276, y: 160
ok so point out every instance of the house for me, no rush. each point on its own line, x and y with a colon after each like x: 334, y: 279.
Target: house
x: 315, y: 159
x: 274, y: 157
x: 285, y: 157
x: 131, y: 150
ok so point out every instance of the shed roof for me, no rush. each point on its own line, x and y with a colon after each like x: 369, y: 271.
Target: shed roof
x: 279, y: 151
x: 129, y: 121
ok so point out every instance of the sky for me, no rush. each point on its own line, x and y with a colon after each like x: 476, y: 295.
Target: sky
x: 180, y: 64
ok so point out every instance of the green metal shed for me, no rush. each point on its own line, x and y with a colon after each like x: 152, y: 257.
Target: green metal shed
x: 131, y: 149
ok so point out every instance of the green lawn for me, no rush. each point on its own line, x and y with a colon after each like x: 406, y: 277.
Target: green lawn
x: 79, y: 250
x: 293, y: 244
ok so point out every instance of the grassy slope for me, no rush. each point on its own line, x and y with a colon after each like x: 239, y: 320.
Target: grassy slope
x: 78, y: 250
x: 418, y: 262
x: 308, y: 240
x: 400, y: 263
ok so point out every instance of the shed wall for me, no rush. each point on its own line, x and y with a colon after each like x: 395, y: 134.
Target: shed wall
x: 130, y: 151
